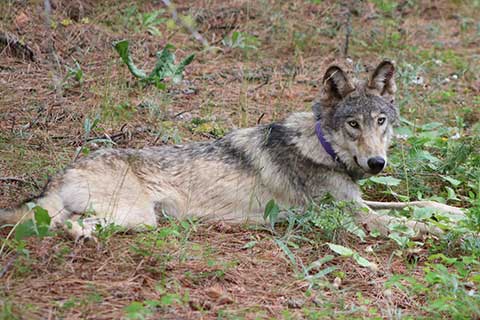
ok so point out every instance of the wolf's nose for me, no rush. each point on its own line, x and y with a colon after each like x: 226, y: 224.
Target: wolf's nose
x: 376, y: 164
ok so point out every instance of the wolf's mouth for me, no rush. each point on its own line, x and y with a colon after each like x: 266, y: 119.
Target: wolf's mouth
x: 356, y: 161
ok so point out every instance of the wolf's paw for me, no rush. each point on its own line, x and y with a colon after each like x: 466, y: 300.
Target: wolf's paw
x: 82, y: 230
x: 373, y: 221
x: 454, y: 213
x: 422, y: 229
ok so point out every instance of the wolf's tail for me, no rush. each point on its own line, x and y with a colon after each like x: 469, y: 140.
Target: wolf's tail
x: 50, y: 201
x: 12, y: 216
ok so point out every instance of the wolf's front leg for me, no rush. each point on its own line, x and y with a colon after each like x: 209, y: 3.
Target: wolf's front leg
x: 82, y: 229
x: 372, y: 220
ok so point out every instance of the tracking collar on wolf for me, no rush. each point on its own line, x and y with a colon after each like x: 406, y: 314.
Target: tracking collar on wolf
x: 325, y: 144
x: 329, y: 149
x: 354, y: 120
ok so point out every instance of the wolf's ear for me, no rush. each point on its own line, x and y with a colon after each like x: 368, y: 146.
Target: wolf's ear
x: 336, y: 85
x: 382, y: 81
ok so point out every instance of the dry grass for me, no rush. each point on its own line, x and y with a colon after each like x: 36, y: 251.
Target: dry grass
x: 214, y: 269
x: 42, y: 112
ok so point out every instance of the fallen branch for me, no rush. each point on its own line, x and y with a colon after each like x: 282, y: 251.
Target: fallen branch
x: 8, y: 265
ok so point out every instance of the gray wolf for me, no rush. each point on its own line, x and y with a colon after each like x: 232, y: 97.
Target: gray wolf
x: 297, y: 160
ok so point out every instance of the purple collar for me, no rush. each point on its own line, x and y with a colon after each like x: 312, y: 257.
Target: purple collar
x: 326, y: 145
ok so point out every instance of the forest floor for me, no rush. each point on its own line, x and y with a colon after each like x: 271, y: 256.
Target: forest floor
x: 65, y: 92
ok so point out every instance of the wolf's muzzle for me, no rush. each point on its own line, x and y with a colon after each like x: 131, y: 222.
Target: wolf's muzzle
x: 376, y: 164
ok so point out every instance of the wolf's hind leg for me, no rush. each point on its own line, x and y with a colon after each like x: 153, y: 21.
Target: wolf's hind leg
x: 119, y: 197
x: 53, y: 203
x: 456, y: 212
x: 81, y: 228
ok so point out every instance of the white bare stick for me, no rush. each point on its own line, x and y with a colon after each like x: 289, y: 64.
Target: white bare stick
x: 422, y: 204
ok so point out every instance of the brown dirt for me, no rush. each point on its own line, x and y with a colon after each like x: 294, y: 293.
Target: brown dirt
x: 214, y: 269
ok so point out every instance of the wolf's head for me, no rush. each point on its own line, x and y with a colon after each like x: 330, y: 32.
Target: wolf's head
x: 357, y: 118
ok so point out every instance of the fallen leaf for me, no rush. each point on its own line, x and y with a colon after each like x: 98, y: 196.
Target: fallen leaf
x: 21, y: 20
x: 214, y: 292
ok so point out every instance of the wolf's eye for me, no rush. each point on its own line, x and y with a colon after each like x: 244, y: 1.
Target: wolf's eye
x: 353, y: 124
x: 381, y: 121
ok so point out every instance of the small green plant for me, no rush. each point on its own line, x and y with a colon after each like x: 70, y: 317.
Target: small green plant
x: 325, y: 217
x: 323, y: 220
x: 151, y: 243
x: 164, y: 68
x: 39, y: 226
x: 105, y: 232
x: 6, y: 310
x: 349, y: 253
x: 402, y: 235
x: 88, y: 127
x: 314, y: 273
x: 331, y: 27
x: 386, y: 6
x: 301, y: 40
x: 446, y: 286
x: 241, y: 40
x: 118, y: 112
x: 150, y: 20
x: 147, y: 308
x: 271, y: 212
x: 75, y: 72
x: 205, y: 126
x: 473, y: 214
x: 168, y: 131
x: 141, y: 310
